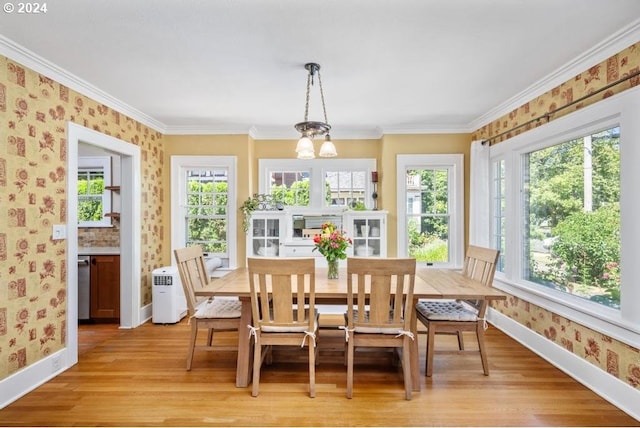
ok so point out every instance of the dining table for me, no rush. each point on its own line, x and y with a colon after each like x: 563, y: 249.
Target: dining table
x: 430, y: 283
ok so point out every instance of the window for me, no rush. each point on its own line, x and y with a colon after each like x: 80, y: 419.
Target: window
x: 498, y: 211
x: 205, y: 212
x: 94, y: 203
x: 567, y: 246
x: 571, y: 203
x: 430, y: 207
x: 290, y: 187
x: 318, y: 183
x: 345, y: 189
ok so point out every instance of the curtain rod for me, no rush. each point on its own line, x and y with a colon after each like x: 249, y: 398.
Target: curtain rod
x: 547, y: 116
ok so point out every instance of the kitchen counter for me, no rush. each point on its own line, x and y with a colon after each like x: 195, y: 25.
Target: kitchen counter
x: 97, y: 251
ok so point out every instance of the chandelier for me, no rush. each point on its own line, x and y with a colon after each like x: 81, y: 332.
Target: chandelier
x: 310, y: 129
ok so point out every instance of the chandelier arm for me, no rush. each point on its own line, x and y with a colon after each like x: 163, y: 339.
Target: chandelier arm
x: 324, y: 109
x: 306, y: 106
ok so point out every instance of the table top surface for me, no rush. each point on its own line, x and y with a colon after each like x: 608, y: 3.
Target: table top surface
x: 430, y: 283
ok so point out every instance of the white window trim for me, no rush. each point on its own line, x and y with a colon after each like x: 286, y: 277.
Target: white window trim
x: 455, y: 164
x: 179, y: 165
x: 317, y: 169
x: 104, y: 163
x: 622, y: 109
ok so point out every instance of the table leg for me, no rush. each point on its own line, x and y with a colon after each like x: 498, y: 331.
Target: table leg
x: 415, y: 349
x: 245, y: 347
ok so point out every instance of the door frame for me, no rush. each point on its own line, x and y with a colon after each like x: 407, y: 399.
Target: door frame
x: 130, y: 229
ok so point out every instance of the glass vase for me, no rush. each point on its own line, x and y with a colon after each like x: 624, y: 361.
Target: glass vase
x: 332, y: 271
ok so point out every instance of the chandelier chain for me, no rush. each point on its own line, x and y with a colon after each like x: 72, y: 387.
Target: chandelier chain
x: 306, y: 106
x: 324, y: 109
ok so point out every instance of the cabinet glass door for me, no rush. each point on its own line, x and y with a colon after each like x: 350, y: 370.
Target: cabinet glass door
x: 266, y: 237
x: 366, y: 242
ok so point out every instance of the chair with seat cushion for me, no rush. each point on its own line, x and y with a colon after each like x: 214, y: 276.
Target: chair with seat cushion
x: 213, y: 314
x: 379, y: 310
x: 279, y: 288
x: 457, y: 316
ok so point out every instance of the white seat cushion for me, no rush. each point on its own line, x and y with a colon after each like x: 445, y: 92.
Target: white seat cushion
x: 219, y: 308
x: 446, y: 310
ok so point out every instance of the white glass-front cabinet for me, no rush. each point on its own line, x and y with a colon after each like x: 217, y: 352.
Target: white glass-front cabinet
x: 266, y: 234
x: 368, y: 230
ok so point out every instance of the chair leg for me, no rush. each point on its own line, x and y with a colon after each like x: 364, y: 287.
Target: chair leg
x: 460, y: 340
x: 406, y: 367
x: 346, y: 352
x: 431, y: 335
x: 312, y: 369
x: 192, y: 344
x: 350, y: 350
x: 210, y: 337
x: 257, y: 362
x: 483, y: 351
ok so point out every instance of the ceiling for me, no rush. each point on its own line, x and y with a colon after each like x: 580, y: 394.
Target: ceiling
x: 388, y: 66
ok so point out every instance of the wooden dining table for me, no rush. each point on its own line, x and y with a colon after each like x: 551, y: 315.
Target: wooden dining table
x: 430, y: 283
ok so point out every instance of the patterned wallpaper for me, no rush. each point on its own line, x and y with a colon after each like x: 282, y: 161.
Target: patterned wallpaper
x: 616, y: 358
x: 34, y: 111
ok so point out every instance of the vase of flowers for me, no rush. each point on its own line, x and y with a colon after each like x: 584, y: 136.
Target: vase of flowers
x: 332, y: 244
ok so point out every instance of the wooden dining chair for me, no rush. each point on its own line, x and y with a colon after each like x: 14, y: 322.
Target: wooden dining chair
x: 379, y: 309
x: 213, y: 314
x: 279, y: 288
x: 457, y: 316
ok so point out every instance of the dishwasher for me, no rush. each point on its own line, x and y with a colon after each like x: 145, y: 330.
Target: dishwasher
x: 84, y: 288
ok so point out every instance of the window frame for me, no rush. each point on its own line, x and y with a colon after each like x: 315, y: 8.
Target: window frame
x: 179, y: 165
x: 454, y: 163
x: 620, y: 110
x: 96, y: 163
x: 317, y: 169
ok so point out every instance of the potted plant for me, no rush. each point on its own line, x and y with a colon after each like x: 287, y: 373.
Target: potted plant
x: 247, y: 208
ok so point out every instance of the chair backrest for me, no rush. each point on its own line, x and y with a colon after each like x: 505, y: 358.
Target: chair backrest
x: 385, y: 288
x: 278, y: 287
x: 193, y: 274
x: 480, y: 264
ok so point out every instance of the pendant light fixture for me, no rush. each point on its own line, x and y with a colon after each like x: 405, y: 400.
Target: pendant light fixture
x: 310, y: 129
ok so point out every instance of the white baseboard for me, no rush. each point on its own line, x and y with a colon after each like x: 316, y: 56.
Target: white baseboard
x: 146, y: 313
x: 31, y: 377
x: 613, y: 390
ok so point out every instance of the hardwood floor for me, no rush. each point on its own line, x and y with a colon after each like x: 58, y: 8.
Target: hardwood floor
x: 138, y: 378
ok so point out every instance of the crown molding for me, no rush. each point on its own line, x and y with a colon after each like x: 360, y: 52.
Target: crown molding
x: 206, y: 130
x: 429, y: 129
x: 600, y: 52
x: 24, y: 56
x: 288, y: 133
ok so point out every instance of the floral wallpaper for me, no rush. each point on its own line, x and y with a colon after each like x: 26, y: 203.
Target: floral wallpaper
x: 616, y: 358
x: 34, y: 111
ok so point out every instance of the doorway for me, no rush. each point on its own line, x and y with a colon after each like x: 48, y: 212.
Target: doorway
x: 130, y: 227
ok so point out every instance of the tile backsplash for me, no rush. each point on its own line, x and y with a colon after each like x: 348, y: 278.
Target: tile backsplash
x: 100, y: 236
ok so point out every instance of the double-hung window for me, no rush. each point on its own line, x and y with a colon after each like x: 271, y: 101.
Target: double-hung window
x: 204, y: 211
x: 430, y: 208
x: 94, y: 202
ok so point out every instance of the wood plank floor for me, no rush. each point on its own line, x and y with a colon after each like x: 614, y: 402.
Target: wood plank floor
x: 138, y: 378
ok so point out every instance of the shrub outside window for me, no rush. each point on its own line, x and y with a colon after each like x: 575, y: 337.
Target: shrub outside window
x: 94, y: 174
x: 572, y: 217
